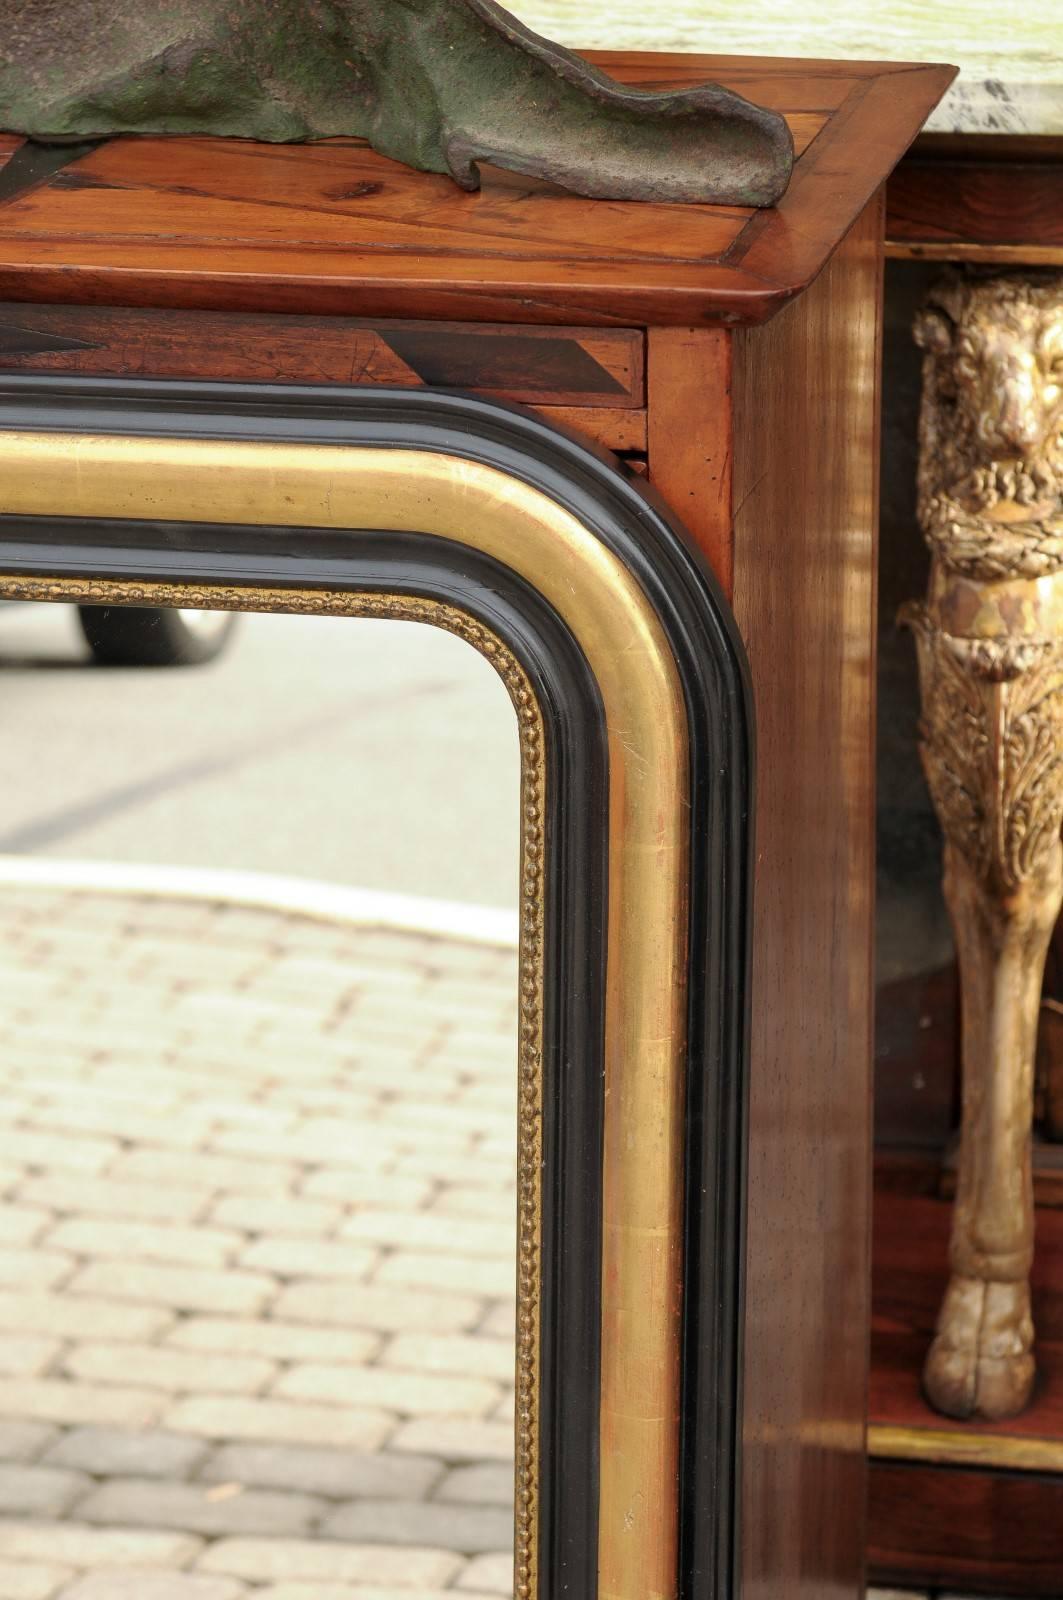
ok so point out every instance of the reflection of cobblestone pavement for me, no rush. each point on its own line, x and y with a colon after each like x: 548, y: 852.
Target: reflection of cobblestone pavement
x: 256, y: 1255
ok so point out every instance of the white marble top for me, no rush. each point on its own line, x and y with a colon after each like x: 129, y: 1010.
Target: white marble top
x: 1010, y: 55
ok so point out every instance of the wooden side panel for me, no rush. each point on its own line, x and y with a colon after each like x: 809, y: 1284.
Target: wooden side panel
x: 805, y: 491
x: 688, y: 386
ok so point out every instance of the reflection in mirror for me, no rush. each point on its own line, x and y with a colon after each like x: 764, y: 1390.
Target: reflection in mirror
x: 257, y: 1048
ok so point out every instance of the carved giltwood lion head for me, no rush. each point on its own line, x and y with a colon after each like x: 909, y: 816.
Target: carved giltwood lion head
x: 991, y: 427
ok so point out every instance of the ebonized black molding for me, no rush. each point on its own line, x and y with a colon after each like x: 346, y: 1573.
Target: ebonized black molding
x: 711, y: 662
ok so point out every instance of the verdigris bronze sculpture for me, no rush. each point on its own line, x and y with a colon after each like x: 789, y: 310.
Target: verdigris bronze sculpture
x: 438, y: 84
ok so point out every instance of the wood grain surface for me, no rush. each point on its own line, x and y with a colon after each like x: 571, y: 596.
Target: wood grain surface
x: 974, y: 1532
x: 334, y: 229
x: 691, y: 452
x: 805, y: 515
x: 981, y: 199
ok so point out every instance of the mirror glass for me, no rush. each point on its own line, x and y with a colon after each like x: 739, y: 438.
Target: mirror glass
x: 258, y: 962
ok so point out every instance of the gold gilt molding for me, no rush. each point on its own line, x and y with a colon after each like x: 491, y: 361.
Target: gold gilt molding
x: 405, y: 608
x: 405, y: 490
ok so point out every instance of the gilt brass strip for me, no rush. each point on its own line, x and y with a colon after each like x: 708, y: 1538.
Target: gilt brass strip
x: 405, y: 490
x: 946, y: 1447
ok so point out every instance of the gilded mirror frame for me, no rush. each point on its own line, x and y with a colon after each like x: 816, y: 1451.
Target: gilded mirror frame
x: 632, y: 703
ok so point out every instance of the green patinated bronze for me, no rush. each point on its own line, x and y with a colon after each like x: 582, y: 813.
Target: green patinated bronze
x: 438, y: 84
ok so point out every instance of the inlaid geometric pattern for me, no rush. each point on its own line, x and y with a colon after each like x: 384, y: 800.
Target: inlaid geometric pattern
x: 574, y: 367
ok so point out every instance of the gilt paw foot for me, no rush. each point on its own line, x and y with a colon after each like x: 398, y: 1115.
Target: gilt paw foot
x: 981, y: 1362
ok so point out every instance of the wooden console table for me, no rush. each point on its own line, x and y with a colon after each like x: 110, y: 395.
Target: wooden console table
x: 971, y: 1505
x: 732, y: 359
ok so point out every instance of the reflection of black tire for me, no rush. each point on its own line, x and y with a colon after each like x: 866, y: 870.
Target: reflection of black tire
x: 136, y: 636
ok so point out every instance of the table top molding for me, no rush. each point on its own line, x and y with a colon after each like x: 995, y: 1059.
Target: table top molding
x: 332, y: 228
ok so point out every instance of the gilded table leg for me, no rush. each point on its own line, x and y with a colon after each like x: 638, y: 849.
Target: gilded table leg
x: 990, y: 644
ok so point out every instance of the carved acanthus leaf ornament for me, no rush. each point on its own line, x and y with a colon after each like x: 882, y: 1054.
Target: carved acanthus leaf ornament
x: 991, y: 739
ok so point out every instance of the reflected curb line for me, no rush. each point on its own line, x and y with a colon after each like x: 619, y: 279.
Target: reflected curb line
x: 306, y: 897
